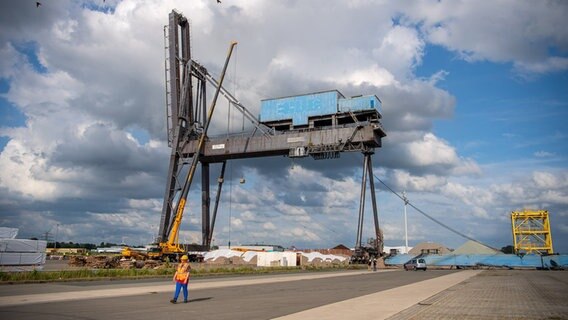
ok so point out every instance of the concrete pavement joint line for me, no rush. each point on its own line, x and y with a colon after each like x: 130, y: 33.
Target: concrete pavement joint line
x: 383, y: 304
x: 130, y: 291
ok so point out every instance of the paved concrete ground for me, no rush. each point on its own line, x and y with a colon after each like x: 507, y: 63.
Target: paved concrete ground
x: 435, y: 294
x: 13, y: 295
x: 385, y: 303
x: 498, y: 294
x: 261, y: 297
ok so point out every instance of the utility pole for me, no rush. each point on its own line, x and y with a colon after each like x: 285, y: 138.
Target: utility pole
x: 56, y: 230
x: 405, y: 222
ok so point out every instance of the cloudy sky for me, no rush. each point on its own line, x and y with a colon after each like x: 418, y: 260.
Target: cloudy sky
x: 475, y: 97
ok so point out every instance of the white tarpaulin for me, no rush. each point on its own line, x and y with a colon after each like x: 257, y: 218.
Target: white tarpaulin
x: 276, y: 259
x: 8, y: 233
x: 38, y: 267
x: 22, y: 254
x: 324, y: 257
x: 249, y: 255
x: 21, y: 258
x: 22, y: 245
x: 225, y: 253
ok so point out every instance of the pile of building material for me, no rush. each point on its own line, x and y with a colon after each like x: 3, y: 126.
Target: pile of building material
x: 102, y: 262
x: 139, y: 264
x: 130, y: 264
x: 111, y: 262
x: 77, y: 261
x: 95, y: 262
x: 20, y: 254
x: 152, y: 264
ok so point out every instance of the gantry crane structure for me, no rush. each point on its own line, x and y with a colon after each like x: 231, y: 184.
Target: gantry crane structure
x: 321, y: 137
x: 531, y: 232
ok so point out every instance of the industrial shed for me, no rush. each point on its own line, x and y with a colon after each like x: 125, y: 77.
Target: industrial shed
x: 429, y: 248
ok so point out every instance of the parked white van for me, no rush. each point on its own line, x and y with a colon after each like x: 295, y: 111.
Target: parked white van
x: 415, y: 264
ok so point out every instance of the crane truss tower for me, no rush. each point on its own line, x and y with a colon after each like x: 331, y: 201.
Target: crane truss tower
x: 531, y: 232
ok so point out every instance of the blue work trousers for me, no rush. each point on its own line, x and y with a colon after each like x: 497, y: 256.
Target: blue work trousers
x: 180, y: 286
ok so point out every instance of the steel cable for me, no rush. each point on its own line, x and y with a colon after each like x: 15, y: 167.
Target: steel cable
x: 430, y: 217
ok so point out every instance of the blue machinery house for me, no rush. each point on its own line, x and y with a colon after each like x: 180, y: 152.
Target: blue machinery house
x: 315, y: 109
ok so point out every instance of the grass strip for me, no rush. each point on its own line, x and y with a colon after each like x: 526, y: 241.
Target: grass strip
x: 116, y: 274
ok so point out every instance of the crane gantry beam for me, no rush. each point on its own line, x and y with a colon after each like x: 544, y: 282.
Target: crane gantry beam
x: 339, y: 139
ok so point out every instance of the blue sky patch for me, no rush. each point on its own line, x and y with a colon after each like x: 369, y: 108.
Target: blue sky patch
x: 10, y: 115
x: 29, y: 49
x: 141, y: 135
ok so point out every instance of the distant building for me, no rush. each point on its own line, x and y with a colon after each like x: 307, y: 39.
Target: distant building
x: 395, y: 250
x: 337, y: 250
x: 255, y: 247
x: 109, y: 250
x: 429, y: 248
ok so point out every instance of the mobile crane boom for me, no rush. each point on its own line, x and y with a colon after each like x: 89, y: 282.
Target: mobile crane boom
x: 171, y: 246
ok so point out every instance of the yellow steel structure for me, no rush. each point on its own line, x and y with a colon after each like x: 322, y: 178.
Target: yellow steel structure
x: 531, y: 232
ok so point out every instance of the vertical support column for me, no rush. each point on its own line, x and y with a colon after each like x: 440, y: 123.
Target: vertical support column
x: 514, y: 228
x: 362, y: 204
x: 217, y: 198
x: 378, y: 234
x: 167, y: 206
x: 203, y: 101
x: 175, y: 94
x: 186, y: 58
x: 405, y: 223
x: 175, y: 75
x: 205, y: 203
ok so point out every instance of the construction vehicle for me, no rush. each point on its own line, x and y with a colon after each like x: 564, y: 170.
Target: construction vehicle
x: 132, y: 253
x: 365, y: 253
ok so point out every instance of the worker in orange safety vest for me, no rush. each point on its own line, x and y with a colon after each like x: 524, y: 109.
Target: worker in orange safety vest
x: 181, y: 279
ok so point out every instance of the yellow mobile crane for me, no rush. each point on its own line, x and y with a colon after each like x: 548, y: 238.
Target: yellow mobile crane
x: 171, y: 248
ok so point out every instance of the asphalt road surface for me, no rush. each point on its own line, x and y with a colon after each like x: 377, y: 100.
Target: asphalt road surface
x: 208, y: 299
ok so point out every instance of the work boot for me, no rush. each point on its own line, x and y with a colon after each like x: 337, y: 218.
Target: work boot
x: 185, y: 301
x: 173, y: 301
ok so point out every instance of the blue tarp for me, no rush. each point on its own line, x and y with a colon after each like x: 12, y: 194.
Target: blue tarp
x: 399, y: 259
x: 496, y: 260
